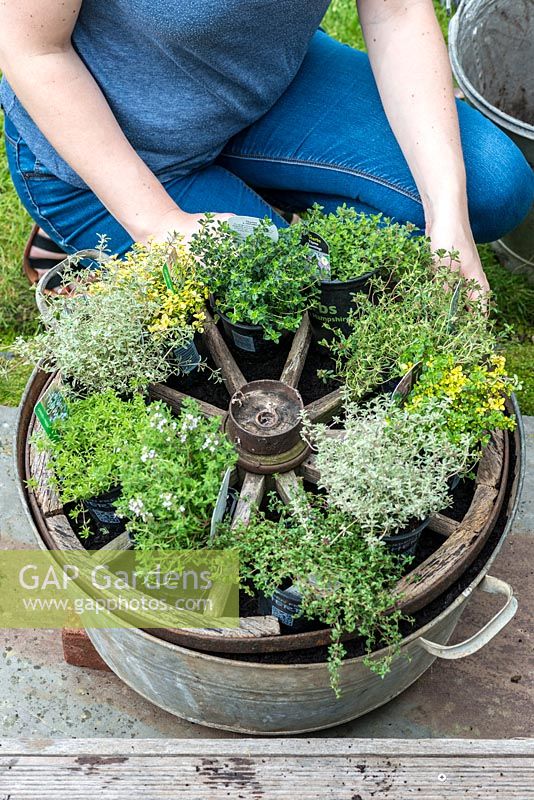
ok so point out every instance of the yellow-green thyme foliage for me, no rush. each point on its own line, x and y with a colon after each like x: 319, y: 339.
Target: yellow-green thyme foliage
x: 171, y: 476
x: 345, y: 583
x: 471, y: 399
x: 176, y: 310
x: 258, y: 281
x: 391, y: 467
x: 88, y: 449
x: 361, y: 243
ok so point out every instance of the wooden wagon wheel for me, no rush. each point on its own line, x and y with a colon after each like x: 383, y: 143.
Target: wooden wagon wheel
x: 263, y: 418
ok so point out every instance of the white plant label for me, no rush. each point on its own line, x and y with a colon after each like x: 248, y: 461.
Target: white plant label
x: 245, y: 226
x: 220, y: 506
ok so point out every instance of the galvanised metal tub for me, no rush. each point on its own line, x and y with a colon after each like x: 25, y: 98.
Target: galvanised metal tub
x: 273, y: 699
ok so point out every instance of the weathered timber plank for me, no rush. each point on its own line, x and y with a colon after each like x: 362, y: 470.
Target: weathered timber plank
x: 298, y: 353
x: 224, y: 360
x: 251, y: 496
x: 287, y: 485
x: 490, y: 467
x: 336, y: 747
x: 308, y: 470
x: 42, y: 482
x: 249, y: 628
x: 121, y: 542
x: 62, y: 534
x: 459, y: 550
x: 323, y: 410
x: 443, y: 525
x: 249, y: 769
x: 445, y: 565
x: 174, y: 399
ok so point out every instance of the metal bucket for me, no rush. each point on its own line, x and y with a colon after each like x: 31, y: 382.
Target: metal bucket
x: 491, y: 47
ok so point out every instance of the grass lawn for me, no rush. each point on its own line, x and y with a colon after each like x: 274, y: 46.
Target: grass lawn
x: 514, y: 300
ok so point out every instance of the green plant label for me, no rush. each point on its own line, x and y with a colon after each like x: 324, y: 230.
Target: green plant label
x: 167, y: 277
x: 245, y: 226
x: 49, y: 409
x: 319, y: 250
x: 220, y: 506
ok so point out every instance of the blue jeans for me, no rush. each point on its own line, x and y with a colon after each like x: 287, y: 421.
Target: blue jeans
x: 325, y: 140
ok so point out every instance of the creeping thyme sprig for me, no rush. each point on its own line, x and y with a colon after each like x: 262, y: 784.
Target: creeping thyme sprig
x: 345, y: 583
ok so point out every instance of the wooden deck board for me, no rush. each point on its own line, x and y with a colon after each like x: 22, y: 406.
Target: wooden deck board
x: 340, y: 769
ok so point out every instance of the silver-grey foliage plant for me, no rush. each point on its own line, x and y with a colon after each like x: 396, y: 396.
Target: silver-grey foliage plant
x: 390, y: 468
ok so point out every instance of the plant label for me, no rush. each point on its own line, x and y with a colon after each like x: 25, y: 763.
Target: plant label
x: 286, y: 605
x: 188, y: 358
x: 405, y: 385
x: 220, y: 506
x: 49, y: 409
x: 244, y: 342
x: 453, y: 310
x: 319, y: 250
x: 167, y: 277
x: 245, y: 226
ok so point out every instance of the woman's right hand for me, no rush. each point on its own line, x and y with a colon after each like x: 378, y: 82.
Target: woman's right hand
x: 177, y: 223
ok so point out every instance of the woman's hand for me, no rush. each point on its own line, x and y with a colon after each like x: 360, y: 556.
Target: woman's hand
x: 455, y: 234
x: 177, y: 224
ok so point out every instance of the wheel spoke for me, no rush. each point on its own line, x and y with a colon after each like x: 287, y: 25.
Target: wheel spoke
x: 323, y: 410
x: 308, y: 470
x: 174, y: 399
x: 288, y: 486
x: 298, y: 353
x: 251, y: 496
x: 224, y: 360
x: 443, y: 525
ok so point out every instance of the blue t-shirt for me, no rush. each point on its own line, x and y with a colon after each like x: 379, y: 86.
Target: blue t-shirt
x: 182, y: 76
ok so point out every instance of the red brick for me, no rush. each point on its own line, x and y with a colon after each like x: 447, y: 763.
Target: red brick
x: 79, y: 651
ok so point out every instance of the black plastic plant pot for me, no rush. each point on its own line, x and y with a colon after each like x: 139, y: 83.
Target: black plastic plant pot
x: 336, y: 301
x: 249, y: 338
x: 187, y: 358
x: 101, y: 509
x: 285, y: 606
x: 405, y: 543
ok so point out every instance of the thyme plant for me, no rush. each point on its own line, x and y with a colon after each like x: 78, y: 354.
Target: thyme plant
x: 411, y: 316
x: 391, y: 467
x: 87, y: 450
x: 361, y: 243
x: 170, y: 475
x: 119, y: 327
x: 257, y: 281
x: 345, y: 583
x: 471, y: 399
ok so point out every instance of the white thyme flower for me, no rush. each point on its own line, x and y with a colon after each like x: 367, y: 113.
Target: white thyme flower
x: 136, y: 506
x: 147, y: 455
x: 166, y: 499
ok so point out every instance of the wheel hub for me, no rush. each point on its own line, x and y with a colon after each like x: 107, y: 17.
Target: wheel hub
x: 264, y: 421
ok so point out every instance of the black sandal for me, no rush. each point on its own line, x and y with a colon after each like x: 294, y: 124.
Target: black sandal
x: 31, y: 265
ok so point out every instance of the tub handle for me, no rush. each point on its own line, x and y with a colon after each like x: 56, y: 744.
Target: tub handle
x: 487, y: 633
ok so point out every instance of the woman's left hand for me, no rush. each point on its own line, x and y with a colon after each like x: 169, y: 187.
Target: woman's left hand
x: 458, y: 237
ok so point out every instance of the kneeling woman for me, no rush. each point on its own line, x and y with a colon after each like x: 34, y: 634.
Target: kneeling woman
x: 132, y: 118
